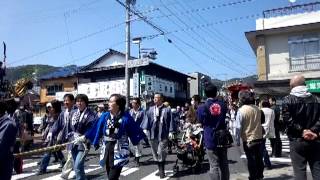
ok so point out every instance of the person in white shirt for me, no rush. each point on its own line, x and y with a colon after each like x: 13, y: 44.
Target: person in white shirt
x: 268, y: 127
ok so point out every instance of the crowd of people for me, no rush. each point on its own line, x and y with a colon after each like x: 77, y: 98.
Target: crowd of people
x: 119, y: 132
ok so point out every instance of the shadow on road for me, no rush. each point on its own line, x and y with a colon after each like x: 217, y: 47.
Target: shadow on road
x: 279, y: 165
x: 150, y: 161
x: 95, y: 176
x: 186, y: 171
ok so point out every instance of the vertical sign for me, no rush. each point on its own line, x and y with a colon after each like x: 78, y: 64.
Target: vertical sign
x: 142, y: 78
x: 136, y: 85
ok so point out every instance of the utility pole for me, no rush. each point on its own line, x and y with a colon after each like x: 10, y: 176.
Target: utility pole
x: 127, y: 78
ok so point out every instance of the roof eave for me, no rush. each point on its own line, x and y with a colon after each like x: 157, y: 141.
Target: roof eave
x: 188, y: 76
x: 101, y: 69
x: 251, y: 35
x: 58, y: 77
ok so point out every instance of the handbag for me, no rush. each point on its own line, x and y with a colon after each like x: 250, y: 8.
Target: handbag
x: 223, y: 138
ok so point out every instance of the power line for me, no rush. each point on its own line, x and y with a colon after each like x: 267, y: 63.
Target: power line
x: 142, y: 17
x: 223, y: 5
x: 207, y: 25
x: 223, y: 39
x: 68, y: 37
x: 68, y: 43
x: 67, y: 13
x: 200, y: 42
x: 77, y: 10
x: 197, y: 10
x: 207, y: 55
x: 189, y: 57
x: 161, y: 32
x: 251, y: 16
x: 93, y: 53
x: 195, y: 39
x: 160, y: 5
x: 215, y: 48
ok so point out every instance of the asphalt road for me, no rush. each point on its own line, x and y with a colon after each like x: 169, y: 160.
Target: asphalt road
x: 146, y: 171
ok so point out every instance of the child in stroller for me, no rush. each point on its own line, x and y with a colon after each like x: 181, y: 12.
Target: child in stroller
x: 190, y: 149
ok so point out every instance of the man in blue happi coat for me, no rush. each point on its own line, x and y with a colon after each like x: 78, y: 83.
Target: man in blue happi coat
x: 159, y: 127
x: 212, y: 115
x: 8, y: 132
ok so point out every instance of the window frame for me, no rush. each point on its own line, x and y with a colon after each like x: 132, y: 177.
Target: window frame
x: 53, y: 89
x: 306, y: 60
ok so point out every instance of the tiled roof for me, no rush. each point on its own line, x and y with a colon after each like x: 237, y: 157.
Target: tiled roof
x: 62, y: 72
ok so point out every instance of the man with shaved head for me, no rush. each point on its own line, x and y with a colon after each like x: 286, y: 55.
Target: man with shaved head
x: 297, y: 80
x: 301, y: 115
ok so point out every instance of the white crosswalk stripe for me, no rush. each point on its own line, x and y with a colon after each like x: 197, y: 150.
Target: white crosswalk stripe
x: 285, y: 144
x: 285, y: 151
x: 71, y: 174
x: 22, y: 176
x: 30, y: 170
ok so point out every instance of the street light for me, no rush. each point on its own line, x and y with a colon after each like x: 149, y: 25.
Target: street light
x: 138, y: 40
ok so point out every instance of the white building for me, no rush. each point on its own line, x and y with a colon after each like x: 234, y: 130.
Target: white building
x: 105, y: 76
x: 286, y: 42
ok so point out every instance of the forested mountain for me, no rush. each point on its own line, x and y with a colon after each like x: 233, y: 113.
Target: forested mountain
x: 38, y: 70
x: 28, y: 71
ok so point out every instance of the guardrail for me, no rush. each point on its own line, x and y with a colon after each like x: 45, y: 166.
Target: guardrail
x: 295, y: 9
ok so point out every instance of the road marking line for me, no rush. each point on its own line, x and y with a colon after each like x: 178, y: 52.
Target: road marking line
x: 71, y: 174
x: 22, y: 176
x: 153, y: 176
x: 27, y: 160
x: 129, y: 171
x: 34, y: 171
x: 272, y: 159
x: 125, y: 171
x: 283, y: 160
x: 28, y: 165
x: 283, y: 150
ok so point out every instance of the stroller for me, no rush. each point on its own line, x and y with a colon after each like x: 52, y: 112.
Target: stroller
x: 190, y: 150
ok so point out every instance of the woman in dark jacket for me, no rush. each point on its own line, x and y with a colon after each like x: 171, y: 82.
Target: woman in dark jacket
x: 81, y: 122
x: 50, y: 139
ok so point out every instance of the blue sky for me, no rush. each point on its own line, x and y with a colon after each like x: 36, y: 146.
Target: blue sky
x: 207, y: 35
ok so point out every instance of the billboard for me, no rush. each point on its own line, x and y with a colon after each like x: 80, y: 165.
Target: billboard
x: 103, y: 90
